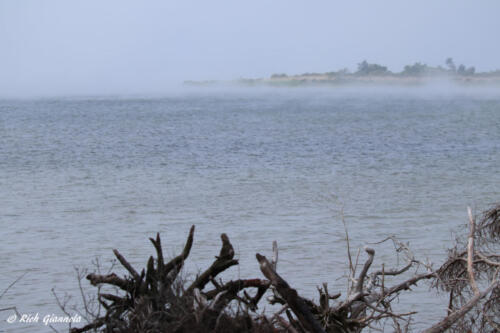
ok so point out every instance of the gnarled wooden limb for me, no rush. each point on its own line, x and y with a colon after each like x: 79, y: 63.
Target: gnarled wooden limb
x: 113, y: 279
x: 405, y: 285
x: 127, y: 265
x: 222, y: 262
x: 159, y: 252
x: 452, y: 318
x: 261, y: 290
x: 359, y: 293
x: 470, y: 252
x: 113, y: 298
x: 274, y: 260
x: 294, y: 301
x: 238, y: 285
x: 364, y: 271
x: 178, y: 261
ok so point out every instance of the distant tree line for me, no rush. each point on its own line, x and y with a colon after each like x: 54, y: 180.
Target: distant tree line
x: 417, y: 69
x: 365, y: 68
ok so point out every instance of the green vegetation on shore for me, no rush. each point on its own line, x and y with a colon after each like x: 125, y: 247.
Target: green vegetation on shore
x: 372, y: 73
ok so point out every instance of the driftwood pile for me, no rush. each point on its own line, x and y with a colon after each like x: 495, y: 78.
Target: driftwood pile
x: 158, y: 300
x: 473, y: 263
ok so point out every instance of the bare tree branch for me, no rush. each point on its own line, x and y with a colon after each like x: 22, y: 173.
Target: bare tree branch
x: 451, y: 319
x: 294, y: 301
x: 470, y: 252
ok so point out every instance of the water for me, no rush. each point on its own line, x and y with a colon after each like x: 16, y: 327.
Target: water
x: 79, y: 177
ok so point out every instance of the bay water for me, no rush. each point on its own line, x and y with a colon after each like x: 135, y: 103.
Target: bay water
x: 80, y: 176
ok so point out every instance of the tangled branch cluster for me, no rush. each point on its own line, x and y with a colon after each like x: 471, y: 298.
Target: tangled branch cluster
x: 155, y: 300
x: 473, y: 263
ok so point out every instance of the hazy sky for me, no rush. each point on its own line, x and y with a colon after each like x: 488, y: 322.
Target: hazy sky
x: 62, y: 47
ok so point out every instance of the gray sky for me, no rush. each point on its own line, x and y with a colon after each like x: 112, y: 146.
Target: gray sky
x: 68, y: 47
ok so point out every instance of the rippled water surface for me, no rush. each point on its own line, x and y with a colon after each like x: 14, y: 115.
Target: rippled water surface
x: 79, y: 177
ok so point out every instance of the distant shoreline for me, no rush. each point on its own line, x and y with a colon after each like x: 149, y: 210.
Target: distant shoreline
x: 353, y: 79
x: 373, y: 74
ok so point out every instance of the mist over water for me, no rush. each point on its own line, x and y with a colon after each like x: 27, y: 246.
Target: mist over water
x: 101, y: 146
x: 81, y: 176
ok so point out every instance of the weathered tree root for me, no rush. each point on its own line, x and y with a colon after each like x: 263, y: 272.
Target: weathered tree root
x: 151, y: 302
x: 154, y: 302
x: 294, y: 301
